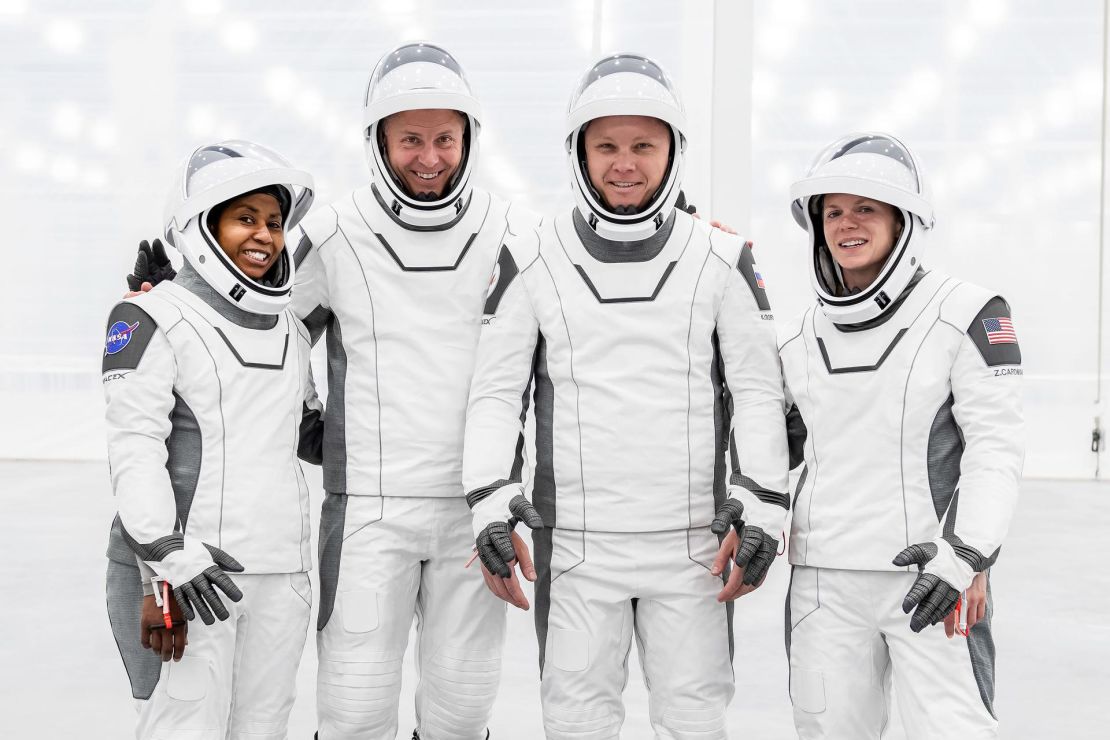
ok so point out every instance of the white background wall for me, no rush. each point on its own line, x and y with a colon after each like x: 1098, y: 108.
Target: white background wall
x: 1002, y: 100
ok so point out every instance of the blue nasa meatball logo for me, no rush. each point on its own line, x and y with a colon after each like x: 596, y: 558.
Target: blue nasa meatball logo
x: 119, y: 334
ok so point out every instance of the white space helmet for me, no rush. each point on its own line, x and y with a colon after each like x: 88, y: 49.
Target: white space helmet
x: 876, y: 166
x: 215, y: 174
x: 625, y: 85
x: 419, y: 76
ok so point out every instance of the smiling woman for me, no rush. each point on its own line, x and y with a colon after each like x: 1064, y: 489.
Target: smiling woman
x: 249, y: 230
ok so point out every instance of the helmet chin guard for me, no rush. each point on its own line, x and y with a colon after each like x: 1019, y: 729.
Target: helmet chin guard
x: 870, y: 165
x: 420, y: 76
x: 625, y: 85
x: 213, y: 175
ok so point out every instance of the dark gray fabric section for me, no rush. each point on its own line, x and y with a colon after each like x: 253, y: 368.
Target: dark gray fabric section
x: 787, y: 632
x: 316, y: 321
x: 124, y: 598
x: 118, y: 550
x: 183, y: 461
x: 335, y: 425
x: 333, y: 512
x: 506, y: 273
x: 1004, y: 353
x: 801, y: 483
x: 746, y: 266
x: 541, y: 558
x: 304, y: 246
x: 604, y: 250
x: 543, y: 489
x: 135, y: 333
x: 310, y: 441
x: 943, y: 454
x: 980, y: 645
x: 191, y: 280
x: 796, y: 434
x: 722, y: 421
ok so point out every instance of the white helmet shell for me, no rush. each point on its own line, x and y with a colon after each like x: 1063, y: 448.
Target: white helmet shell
x: 420, y: 76
x: 880, y: 167
x: 215, y: 174
x: 625, y: 85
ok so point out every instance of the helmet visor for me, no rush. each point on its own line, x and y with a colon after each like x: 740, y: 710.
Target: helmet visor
x: 408, y: 54
x: 884, y: 146
x: 623, y: 63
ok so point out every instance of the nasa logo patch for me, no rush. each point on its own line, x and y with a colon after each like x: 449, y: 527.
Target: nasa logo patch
x: 119, y: 334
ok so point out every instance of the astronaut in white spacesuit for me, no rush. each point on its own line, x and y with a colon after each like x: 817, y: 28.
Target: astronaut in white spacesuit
x: 396, y: 273
x: 208, y: 386
x: 908, y: 385
x: 649, y: 339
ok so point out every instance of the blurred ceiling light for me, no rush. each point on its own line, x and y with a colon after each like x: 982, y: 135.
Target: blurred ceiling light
x: 13, y: 7
x: 584, y: 23
x: 67, y: 122
x: 309, y: 103
x: 1087, y: 87
x: 774, y: 41
x: 279, y: 83
x: 63, y: 169
x: 200, y: 121
x: 64, y: 36
x: 29, y: 159
x: 95, y: 178
x: 790, y: 11
x: 824, y: 106
x: 103, y: 134
x: 961, y: 40
x: 1058, y: 108
x: 203, y: 7
x: 987, y: 12
x: 238, y: 36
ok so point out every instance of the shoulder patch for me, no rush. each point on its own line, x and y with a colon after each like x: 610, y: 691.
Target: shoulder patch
x: 992, y: 330
x: 504, y: 272
x: 747, y: 267
x: 130, y: 330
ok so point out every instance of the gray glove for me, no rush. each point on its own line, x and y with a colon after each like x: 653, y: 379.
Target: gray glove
x: 152, y: 265
x: 756, y: 550
x: 943, y: 574
x: 495, y: 543
x: 199, y: 594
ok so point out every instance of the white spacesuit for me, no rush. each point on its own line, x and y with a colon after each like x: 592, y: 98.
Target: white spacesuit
x: 643, y: 332
x: 207, y: 385
x: 398, y: 283
x: 910, y: 391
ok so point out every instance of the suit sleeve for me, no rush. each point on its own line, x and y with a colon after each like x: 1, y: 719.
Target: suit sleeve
x: 494, y: 465
x: 138, y: 381
x: 310, y: 288
x: 987, y: 395
x: 757, y: 435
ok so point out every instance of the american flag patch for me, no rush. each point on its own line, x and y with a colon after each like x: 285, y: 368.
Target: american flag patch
x: 759, y: 281
x: 1000, y: 330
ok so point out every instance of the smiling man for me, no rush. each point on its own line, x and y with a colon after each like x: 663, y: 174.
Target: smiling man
x: 395, y: 273
x: 641, y: 328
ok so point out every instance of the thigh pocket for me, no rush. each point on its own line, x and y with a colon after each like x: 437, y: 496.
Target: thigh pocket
x: 187, y: 679
x: 361, y: 512
x: 804, y: 597
x: 807, y: 690
x: 702, y: 546
x: 359, y: 610
x: 301, y: 586
x: 568, y: 650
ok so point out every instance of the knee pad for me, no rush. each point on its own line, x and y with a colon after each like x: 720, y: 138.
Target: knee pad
x: 704, y: 724
x: 565, y: 723
x: 358, y: 698
x: 457, y: 688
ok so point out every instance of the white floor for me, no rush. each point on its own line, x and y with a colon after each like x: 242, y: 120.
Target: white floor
x: 62, y: 677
